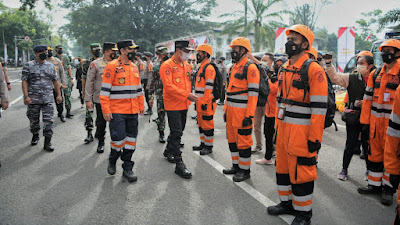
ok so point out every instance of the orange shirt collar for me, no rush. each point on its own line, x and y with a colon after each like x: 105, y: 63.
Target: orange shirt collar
x: 300, y: 62
x: 395, y: 69
x: 242, y: 63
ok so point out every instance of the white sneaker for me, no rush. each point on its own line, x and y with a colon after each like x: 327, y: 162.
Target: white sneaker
x: 264, y: 161
x: 257, y: 149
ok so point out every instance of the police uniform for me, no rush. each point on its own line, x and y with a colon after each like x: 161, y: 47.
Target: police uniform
x: 67, y: 92
x: 92, y: 92
x: 89, y: 112
x: 122, y: 95
x: 40, y: 78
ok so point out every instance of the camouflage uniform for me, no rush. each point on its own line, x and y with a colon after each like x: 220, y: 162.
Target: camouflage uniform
x: 89, y: 112
x: 156, y: 87
x: 40, y: 79
x: 67, y: 92
x: 61, y: 77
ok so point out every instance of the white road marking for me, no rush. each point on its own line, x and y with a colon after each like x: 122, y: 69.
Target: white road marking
x: 13, y: 102
x: 247, y: 188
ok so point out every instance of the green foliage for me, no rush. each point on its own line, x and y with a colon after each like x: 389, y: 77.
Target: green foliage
x: 390, y: 18
x: 364, y: 25
x: 361, y: 44
x: 307, y: 14
x: 30, y: 4
x: 260, y: 21
x: 327, y: 42
x: 147, y: 22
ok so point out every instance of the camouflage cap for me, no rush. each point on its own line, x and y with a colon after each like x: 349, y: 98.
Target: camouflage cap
x: 59, y: 46
x: 161, y: 50
x: 95, y: 46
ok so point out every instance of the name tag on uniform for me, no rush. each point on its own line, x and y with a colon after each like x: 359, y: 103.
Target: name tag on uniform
x: 386, y: 97
x: 281, y: 112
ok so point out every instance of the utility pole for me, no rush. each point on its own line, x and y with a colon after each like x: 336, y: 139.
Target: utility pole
x: 245, y: 14
x: 16, y: 51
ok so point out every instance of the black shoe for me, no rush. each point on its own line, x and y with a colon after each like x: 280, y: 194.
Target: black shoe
x: 35, y: 139
x: 47, y: 144
x: 357, y: 151
x: 241, y: 176
x: 129, y: 175
x: 111, y: 169
x: 148, y: 112
x: 181, y: 144
x: 62, y: 118
x: 220, y: 103
x: 155, y: 120
x: 169, y: 156
x: 387, y: 197
x: 194, y: 117
x: 285, y: 207
x: 69, y: 115
x: 233, y: 170
x: 206, y: 151
x: 89, y: 138
x: 100, y: 147
x: 369, y: 189
x: 161, y: 138
x: 181, y: 169
x: 198, y: 148
x: 300, y: 221
x: 362, y: 154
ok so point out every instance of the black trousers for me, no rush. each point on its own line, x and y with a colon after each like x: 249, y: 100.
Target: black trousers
x: 352, y: 133
x: 269, y: 130
x: 146, y: 93
x: 101, y: 123
x: 59, y: 106
x: 176, y: 122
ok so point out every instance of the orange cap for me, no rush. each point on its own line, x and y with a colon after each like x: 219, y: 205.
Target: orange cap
x: 390, y: 43
x: 206, y: 48
x: 363, y: 53
x: 313, y: 51
x: 241, y: 41
x: 303, y: 30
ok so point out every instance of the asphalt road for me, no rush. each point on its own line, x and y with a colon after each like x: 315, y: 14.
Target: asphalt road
x: 71, y: 185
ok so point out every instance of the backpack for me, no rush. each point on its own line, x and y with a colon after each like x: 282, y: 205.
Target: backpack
x: 263, y: 90
x: 331, y: 107
x: 217, y: 88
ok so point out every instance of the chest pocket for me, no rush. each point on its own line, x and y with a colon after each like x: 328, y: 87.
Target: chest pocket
x: 393, y: 83
x: 299, y: 84
x: 377, y: 83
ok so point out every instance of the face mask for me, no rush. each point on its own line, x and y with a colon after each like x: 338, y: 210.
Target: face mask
x: 236, y: 56
x: 76, y: 62
x: 319, y: 59
x: 113, y: 55
x: 362, y: 69
x: 131, y: 55
x: 199, y: 57
x: 292, y: 49
x: 388, y: 57
x: 49, y: 54
x: 185, y: 56
x: 96, y: 54
x: 43, y: 56
x: 165, y: 58
x: 60, y: 51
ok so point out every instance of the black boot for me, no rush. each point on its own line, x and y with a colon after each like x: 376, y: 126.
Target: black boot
x: 241, y: 175
x: 284, y: 207
x: 112, y: 160
x: 181, y: 169
x: 111, y: 169
x: 62, y: 118
x: 369, y: 189
x: 89, y: 137
x: 233, y: 170
x: 35, y: 139
x: 387, y: 197
x: 198, y: 148
x: 161, y: 138
x: 47, y: 144
x: 169, y: 156
x: 300, y: 221
x: 206, y: 150
x: 69, y: 115
x: 100, y: 147
x: 129, y: 175
x: 148, y: 112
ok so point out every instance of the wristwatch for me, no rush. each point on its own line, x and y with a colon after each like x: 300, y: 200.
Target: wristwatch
x: 25, y: 96
x: 8, y: 83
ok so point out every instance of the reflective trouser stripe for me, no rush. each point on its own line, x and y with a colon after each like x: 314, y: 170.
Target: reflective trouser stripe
x: 244, y: 163
x: 235, y: 157
x: 303, y: 206
x: 208, y: 140
x: 285, y: 192
x: 118, y: 145
x: 386, y: 180
x: 375, y: 178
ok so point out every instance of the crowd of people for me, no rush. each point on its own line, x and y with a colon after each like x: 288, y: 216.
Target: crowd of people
x: 122, y: 82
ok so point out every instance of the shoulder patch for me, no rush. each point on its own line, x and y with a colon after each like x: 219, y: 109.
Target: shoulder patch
x: 320, y: 76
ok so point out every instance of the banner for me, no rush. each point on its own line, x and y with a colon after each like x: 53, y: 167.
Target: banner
x: 346, y: 46
x: 280, y: 40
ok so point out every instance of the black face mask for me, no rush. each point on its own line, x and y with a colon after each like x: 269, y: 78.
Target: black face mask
x: 199, y: 57
x: 50, y: 54
x: 165, y: 58
x: 292, y: 49
x: 60, y: 51
x: 43, y: 56
x: 96, y: 54
x: 236, y: 56
x: 113, y: 55
x: 131, y: 55
x: 388, y: 57
x: 319, y: 59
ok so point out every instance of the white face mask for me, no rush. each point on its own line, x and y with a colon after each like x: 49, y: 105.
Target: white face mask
x: 362, y: 69
x: 185, y: 56
x: 76, y: 62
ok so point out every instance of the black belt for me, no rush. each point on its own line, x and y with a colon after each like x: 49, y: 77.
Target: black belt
x: 291, y: 102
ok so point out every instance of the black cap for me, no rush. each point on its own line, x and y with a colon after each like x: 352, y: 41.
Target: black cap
x: 139, y: 54
x: 149, y: 54
x: 127, y: 43
x: 110, y: 45
x: 183, y: 44
x: 222, y: 58
x: 283, y: 59
x: 40, y: 48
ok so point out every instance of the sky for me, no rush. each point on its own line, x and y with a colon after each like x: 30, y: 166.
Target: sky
x: 337, y: 14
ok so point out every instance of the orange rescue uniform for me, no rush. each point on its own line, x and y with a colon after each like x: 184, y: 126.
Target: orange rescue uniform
x: 203, y: 89
x: 377, y: 106
x: 241, y: 103
x: 303, y: 116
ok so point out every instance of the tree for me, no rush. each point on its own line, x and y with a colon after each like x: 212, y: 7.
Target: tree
x: 145, y: 21
x: 30, y: 4
x: 390, y: 18
x: 327, y: 42
x: 260, y: 22
x: 307, y: 14
x: 365, y: 24
x: 362, y: 44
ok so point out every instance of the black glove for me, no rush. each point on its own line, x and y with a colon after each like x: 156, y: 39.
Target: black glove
x: 204, y: 107
x: 313, y: 146
x: 225, y: 117
x: 247, y: 122
x: 394, y: 180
